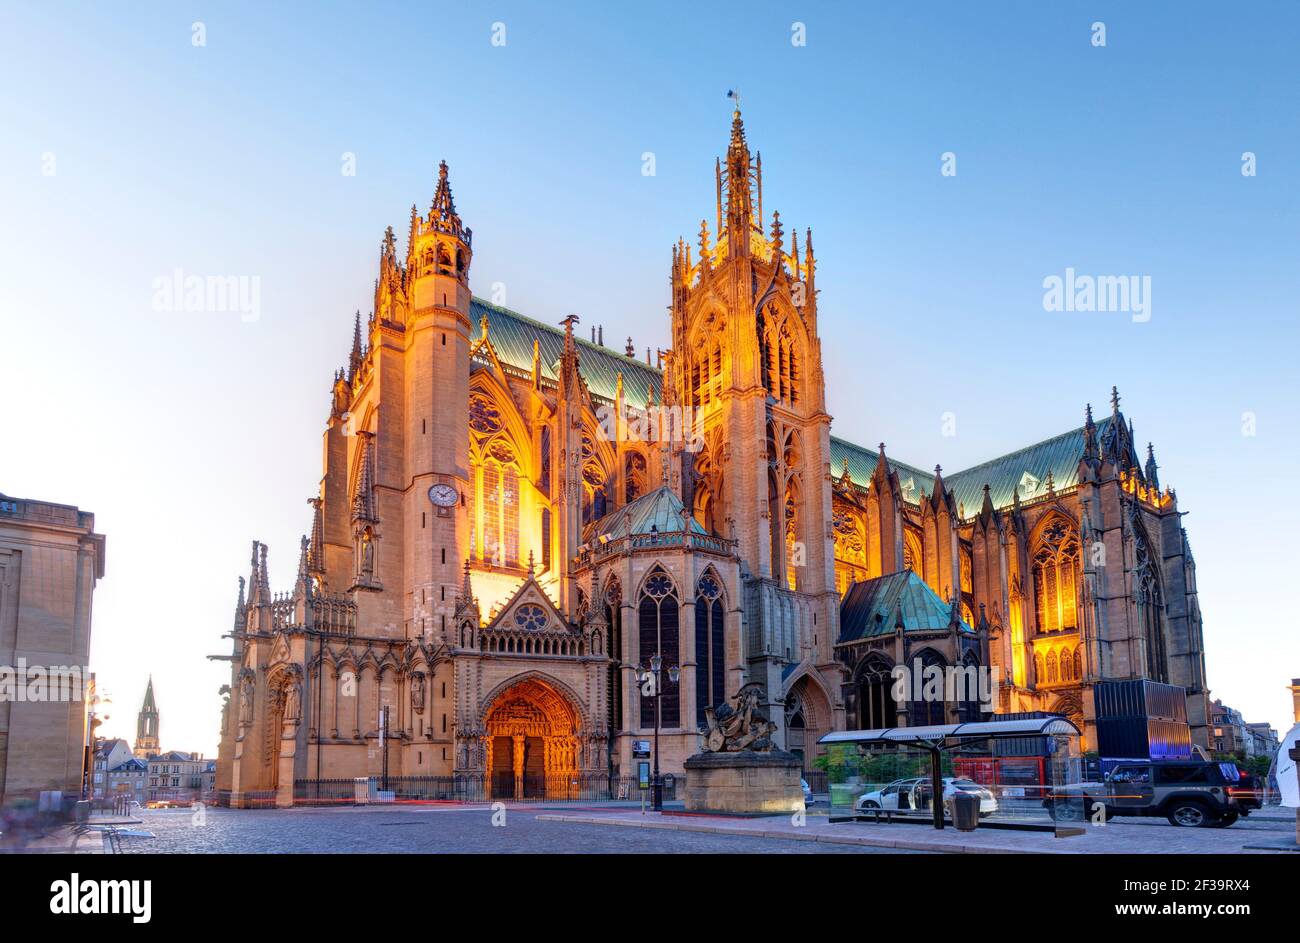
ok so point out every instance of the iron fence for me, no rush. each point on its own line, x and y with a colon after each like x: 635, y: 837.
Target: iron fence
x: 478, y: 787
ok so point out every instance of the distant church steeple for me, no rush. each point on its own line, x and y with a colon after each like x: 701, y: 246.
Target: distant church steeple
x: 146, y: 726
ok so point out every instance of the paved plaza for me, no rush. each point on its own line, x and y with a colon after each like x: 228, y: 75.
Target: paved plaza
x: 596, y: 829
x: 433, y: 829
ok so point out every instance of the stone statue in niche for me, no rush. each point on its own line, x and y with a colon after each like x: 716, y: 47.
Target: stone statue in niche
x: 293, y: 700
x: 417, y: 692
x: 367, y: 556
x: 246, y: 701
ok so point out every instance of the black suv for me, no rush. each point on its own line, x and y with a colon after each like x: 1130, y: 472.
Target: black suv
x: 1189, y: 793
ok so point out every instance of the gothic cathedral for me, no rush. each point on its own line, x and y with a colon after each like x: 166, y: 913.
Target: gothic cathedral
x: 512, y: 522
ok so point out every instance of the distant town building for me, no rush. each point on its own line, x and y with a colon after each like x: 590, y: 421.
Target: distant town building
x: 1227, y: 729
x: 128, y: 778
x: 50, y: 561
x: 109, y: 755
x: 178, y: 777
x: 147, y: 726
x: 1263, y: 741
x: 1229, y: 733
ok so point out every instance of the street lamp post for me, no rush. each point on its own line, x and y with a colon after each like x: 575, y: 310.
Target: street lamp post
x: 656, y: 666
x: 94, y: 717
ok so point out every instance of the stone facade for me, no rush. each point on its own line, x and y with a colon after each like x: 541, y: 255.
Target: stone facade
x: 50, y: 561
x: 511, y: 520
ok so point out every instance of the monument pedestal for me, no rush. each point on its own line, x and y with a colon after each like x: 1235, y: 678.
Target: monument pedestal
x: 744, y: 783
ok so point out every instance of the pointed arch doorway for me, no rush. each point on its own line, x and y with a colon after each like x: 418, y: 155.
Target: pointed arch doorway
x: 531, y: 743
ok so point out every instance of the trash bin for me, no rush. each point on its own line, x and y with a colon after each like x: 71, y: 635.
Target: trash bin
x: 965, y: 811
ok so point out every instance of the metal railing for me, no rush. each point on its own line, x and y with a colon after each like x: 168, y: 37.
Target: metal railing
x: 476, y: 787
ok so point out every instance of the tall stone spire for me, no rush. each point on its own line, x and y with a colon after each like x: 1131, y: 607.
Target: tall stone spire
x: 443, y: 210
x: 316, y: 550
x: 738, y: 184
x: 354, y: 359
x: 1091, y: 450
x: 147, y: 725
x: 1152, y: 476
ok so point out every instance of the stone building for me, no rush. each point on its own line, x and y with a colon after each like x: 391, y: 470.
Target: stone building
x: 512, y: 520
x: 50, y: 561
x: 109, y: 755
x: 176, y: 777
x: 128, y: 779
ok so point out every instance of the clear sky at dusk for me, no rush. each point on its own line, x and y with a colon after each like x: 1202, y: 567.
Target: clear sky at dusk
x: 190, y: 434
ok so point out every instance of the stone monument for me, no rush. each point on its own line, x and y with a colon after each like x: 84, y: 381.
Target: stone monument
x: 738, y: 770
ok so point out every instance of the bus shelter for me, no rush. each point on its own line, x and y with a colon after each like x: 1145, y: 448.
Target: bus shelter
x: 1012, y: 764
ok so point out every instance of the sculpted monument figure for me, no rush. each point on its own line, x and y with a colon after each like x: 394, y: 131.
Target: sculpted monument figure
x: 739, y: 724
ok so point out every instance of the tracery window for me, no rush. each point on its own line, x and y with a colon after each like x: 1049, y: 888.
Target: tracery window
x: 1055, y: 573
x: 594, y: 494
x: 1150, y: 602
x: 877, y: 708
x: 484, y: 417
x: 634, y: 467
x: 493, y: 499
x: 912, y: 552
x: 710, y: 645
x: 657, y: 627
x: 782, y: 371
x: 530, y: 617
x: 927, y: 711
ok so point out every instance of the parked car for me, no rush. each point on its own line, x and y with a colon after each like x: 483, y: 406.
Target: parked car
x: 913, y: 795
x: 1189, y: 793
x: 1249, y: 792
x: 895, y: 797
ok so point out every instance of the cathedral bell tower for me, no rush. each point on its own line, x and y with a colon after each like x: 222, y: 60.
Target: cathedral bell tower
x: 146, y: 726
x: 437, y: 407
x: 750, y: 370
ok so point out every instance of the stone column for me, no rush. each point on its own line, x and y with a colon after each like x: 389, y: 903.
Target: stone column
x: 1294, y: 752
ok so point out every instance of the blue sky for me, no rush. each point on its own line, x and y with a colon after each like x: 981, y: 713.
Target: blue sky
x: 191, y: 434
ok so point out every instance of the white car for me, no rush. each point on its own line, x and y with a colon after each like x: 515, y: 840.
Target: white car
x: 913, y: 795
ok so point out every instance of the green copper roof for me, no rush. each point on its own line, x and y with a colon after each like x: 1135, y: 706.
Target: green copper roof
x: 1005, y: 475
x: 512, y: 337
x: 660, y: 511
x: 872, y: 608
x: 862, y: 465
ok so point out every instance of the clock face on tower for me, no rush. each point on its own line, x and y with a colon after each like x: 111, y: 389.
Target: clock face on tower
x: 443, y: 495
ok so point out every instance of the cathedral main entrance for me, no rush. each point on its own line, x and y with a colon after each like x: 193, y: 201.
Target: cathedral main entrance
x: 531, y: 747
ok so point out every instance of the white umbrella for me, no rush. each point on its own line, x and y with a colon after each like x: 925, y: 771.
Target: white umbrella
x: 1287, y: 785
